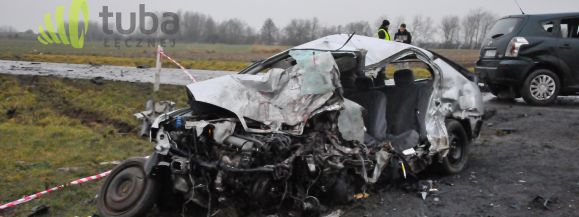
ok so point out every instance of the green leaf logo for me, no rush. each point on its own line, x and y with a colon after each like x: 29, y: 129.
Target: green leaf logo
x: 75, y: 38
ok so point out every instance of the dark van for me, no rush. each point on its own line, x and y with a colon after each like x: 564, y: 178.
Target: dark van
x: 532, y: 56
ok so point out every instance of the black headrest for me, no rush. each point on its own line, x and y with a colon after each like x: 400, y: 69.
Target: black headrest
x: 346, y: 63
x: 364, y: 83
x: 403, y: 77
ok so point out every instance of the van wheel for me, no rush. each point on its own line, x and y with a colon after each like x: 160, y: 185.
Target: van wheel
x: 541, y: 87
x: 128, y: 191
x: 456, y: 159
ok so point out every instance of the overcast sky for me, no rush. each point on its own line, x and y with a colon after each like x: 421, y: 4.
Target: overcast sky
x: 28, y: 14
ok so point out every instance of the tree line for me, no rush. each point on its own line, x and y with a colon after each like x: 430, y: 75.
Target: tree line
x: 466, y: 32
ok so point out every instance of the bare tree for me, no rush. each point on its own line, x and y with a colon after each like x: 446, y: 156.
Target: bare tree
x: 450, y: 27
x: 314, y: 28
x: 475, y: 27
x: 300, y: 31
x: 250, y: 36
x: 192, y: 26
x: 7, y: 29
x: 469, y: 28
x: 210, y: 34
x: 269, y: 32
x: 360, y: 28
x: 331, y: 30
x: 422, y: 29
x: 486, y: 23
x: 233, y: 31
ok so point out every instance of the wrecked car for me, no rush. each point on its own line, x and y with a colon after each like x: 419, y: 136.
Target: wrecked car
x: 308, y: 128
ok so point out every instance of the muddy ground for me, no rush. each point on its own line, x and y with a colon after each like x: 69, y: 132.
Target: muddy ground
x: 523, y: 153
x: 525, y: 156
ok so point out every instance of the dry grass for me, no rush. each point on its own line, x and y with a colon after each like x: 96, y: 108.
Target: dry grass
x: 49, y: 123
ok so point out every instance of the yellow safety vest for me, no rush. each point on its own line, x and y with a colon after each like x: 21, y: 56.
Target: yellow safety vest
x: 386, y: 34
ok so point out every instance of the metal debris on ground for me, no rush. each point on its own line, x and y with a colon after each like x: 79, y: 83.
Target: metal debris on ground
x: 505, y: 131
x: 543, y: 202
x: 152, y: 111
x: 426, y: 187
x: 69, y: 169
x: 335, y: 213
x: 99, y: 80
x: 447, y: 183
x: 116, y: 162
x: 361, y: 196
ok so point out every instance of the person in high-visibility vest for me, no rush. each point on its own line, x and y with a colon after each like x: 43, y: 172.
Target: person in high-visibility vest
x: 383, y: 31
x: 379, y: 81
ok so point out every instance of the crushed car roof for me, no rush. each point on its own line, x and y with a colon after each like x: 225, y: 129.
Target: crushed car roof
x: 378, y: 49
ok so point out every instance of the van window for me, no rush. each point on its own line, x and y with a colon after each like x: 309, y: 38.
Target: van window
x: 548, y: 26
x: 565, y: 30
x: 570, y: 28
x: 505, y: 26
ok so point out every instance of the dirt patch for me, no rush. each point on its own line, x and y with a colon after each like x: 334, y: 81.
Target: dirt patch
x: 63, y: 106
x: 90, y: 119
x: 466, y: 58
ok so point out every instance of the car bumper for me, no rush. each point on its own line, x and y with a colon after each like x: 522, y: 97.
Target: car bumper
x: 503, y: 72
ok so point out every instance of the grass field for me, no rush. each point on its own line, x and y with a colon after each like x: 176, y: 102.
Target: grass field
x: 54, y: 130
x: 191, y: 55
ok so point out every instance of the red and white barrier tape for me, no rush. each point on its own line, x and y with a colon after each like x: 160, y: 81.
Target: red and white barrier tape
x: 39, y: 194
x: 176, y: 63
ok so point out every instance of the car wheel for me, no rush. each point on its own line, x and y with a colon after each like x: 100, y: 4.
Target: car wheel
x: 128, y: 191
x: 456, y: 159
x: 541, y: 87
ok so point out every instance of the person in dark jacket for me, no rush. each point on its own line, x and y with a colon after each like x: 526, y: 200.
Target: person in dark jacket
x: 383, y: 30
x: 403, y: 35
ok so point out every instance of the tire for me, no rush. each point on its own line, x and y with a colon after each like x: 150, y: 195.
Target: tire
x: 541, y: 87
x: 128, y: 191
x: 457, y: 158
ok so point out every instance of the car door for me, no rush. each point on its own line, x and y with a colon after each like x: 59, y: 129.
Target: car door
x: 568, y: 50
